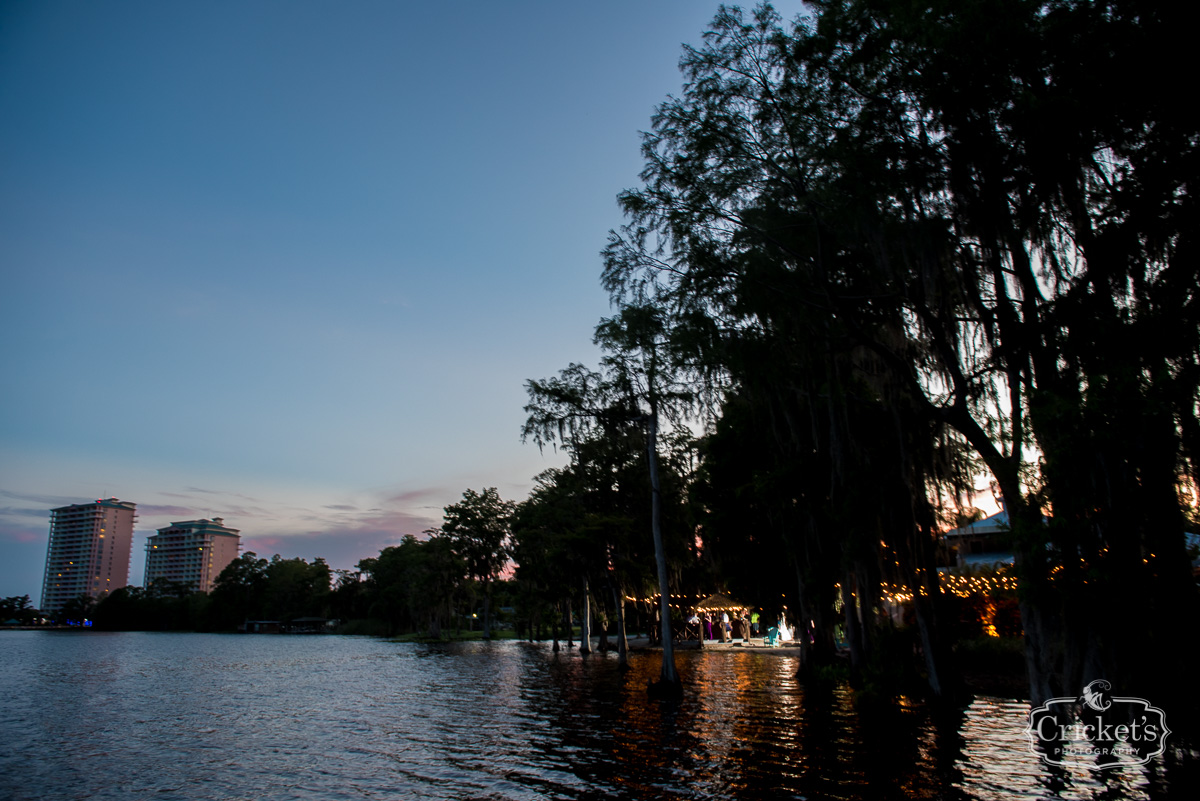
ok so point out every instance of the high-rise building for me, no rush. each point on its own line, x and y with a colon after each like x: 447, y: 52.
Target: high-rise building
x: 193, y: 552
x: 89, y: 550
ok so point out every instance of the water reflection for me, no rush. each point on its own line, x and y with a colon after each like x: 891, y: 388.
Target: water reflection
x: 205, y: 716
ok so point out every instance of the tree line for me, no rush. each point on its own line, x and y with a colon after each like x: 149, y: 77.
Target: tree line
x: 532, y: 558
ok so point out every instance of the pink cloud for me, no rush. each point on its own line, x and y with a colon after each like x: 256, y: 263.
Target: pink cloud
x: 262, y: 545
x: 342, y: 532
x: 341, y: 550
x: 344, y: 540
x: 22, y: 535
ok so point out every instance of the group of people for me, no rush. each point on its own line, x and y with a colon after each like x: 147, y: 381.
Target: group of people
x: 743, y: 625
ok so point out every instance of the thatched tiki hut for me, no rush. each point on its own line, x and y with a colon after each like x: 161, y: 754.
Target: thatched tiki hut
x: 719, y: 605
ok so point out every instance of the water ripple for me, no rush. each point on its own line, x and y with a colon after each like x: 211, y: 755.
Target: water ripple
x: 173, y: 716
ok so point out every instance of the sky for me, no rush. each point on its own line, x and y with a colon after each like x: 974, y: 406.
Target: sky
x: 291, y: 263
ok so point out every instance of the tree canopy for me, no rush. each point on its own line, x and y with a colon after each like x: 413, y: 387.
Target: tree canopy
x: 478, y: 528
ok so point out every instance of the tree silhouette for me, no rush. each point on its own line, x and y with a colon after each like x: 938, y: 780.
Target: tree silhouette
x: 478, y: 528
x: 635, y: 387
x: 976, y: 218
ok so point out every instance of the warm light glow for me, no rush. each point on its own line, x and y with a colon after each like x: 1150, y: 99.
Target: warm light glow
x: 962, y: 586
x: 988, y: 618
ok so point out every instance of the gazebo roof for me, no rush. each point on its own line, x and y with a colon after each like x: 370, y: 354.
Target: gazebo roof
x: 720, y: 603
x: 996, y: 524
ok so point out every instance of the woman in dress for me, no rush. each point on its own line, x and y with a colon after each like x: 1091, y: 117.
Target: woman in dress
x: 785, y: 634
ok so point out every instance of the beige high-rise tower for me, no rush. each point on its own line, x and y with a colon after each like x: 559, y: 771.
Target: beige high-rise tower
x: 89, y: 550
x: 193, y: 553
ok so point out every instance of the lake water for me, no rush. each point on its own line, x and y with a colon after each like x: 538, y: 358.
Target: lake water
x: 90, y: 715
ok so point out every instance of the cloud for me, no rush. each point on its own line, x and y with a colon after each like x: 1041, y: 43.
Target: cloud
x: 263, y: 545
x: 174, y: 511
x: 23, y: 535
x: 251, y: 512
x: 417, y: 497
x: 222, y: 493
x: 341, y: 530
x: 341, y: 548
x: 207, y: 506
x: 47, y: 501
x: 342, y: 533
x: 28, y: 521
x: 396, y: 522
x: 24, y: 511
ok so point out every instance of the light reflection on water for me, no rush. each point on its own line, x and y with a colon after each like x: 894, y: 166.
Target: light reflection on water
x: 193, y: 716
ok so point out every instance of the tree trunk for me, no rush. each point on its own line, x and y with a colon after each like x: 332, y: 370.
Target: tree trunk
x: 487, y: 610
x: 850, y: 608
x: 622, y: 641
x: 570, y: 626
x: 939, y: 677
x: 943, y: 678
x: 867, y: 595
x: 806, y: 647
x: 669, y: 680
x: 585, y: 621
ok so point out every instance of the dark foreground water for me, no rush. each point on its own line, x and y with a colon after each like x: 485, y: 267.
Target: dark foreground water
x: 193, y: 716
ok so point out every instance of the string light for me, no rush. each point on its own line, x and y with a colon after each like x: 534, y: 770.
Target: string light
x: 948, y: 584
x: 961, y: 586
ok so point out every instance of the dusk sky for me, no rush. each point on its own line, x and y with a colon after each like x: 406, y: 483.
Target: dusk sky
x: 290, y: 263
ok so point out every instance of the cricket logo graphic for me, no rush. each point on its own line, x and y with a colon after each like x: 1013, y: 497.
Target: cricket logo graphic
x: 1095, y: 695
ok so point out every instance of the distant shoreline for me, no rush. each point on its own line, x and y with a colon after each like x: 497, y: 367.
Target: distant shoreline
x: 755, y: 645
x: 54, y: 627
